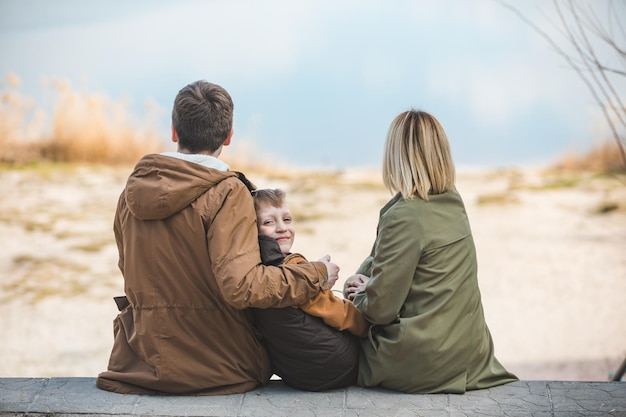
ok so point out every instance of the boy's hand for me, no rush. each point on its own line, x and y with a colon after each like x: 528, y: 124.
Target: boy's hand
x: 331, y: 269
x: 353, y: 285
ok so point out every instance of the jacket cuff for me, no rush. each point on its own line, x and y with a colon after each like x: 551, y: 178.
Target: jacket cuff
x: 322, y: 275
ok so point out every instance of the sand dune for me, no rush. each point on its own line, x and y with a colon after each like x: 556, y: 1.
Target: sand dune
x: 551, y: 253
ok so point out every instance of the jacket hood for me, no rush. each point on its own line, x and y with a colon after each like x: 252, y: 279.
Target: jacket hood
x: 161, y: 185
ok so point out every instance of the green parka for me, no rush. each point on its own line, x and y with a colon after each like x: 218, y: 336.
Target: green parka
x: 429, y: 333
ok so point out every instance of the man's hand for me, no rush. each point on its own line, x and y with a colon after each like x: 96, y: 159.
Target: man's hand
x: 332, y: 271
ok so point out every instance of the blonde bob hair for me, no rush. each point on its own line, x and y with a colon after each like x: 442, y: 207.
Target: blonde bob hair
x: 417, y: 158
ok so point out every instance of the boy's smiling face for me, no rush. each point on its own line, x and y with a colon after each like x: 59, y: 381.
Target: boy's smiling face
x: 277, y: 223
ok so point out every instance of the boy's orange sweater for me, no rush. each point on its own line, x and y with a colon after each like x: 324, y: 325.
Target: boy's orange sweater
x: 336, y: 312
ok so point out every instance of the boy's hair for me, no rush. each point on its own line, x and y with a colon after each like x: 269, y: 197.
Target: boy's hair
x: 273, y: 197
x: 417, y: 157
x: 202, y: 116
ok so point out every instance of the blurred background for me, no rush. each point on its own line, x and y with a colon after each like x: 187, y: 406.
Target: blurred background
x: 531, y: 94
x: 315, y: 83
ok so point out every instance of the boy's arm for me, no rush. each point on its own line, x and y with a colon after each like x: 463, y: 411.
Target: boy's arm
x: 336, y: 312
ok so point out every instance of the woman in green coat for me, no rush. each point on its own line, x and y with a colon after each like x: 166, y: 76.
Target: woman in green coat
x: 419, y: 286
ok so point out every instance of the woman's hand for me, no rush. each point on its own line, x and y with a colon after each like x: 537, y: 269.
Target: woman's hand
x: 331, y: 269
x: 353, y: 285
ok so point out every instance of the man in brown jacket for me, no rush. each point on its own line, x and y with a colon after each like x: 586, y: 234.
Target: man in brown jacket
x: 186, y: 231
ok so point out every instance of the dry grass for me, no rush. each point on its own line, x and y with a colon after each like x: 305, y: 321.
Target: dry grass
x: 91, y: 128
x: 87, y: 127
x: 603, y: 158
x: 55, y: 226
x: 497, y: 199
x: 510, y: 187
x: 79, y: 127
x: 36, y: 283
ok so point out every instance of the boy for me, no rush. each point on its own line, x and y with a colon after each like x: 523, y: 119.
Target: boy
x: 308, y: 346
x: 276, y: 236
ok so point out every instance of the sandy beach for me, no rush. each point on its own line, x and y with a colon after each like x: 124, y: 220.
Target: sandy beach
x: 551, y: 253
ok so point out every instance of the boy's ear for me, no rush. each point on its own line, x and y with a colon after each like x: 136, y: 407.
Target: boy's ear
x: 174, y: 135
x: 228, y: 138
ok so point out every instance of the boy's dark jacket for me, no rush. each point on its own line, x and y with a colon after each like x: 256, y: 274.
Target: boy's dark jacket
x: 308, y: 346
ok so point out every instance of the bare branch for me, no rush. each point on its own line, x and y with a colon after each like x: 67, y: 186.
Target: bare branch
x: 590, y: 70
x: 590, y: 60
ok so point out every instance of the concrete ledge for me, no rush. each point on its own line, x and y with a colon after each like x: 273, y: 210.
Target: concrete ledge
x: 80, y: 397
